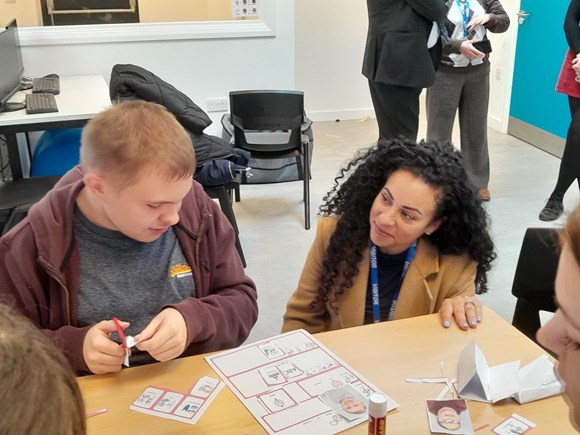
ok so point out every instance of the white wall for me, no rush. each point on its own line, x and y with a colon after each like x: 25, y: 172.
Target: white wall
x: 330, y: 37
x: 318, y: 48
x: 201, y: 68
x: 330, y: 40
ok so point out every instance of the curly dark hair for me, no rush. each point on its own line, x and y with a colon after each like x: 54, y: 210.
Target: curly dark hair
x: 465, y: 223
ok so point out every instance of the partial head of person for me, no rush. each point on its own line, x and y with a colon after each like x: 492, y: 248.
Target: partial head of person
x: 561, y: 334
x: 352, y: 405
x: 138, y: 163
x: 397, y: 192
x: 39, y: 392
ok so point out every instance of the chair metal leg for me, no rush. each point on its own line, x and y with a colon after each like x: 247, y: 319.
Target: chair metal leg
x: 306, y: 176
x: 300, y: 166
x: 238, y: 195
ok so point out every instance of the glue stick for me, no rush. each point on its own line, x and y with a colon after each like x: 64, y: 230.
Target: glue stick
x: 377, y: 414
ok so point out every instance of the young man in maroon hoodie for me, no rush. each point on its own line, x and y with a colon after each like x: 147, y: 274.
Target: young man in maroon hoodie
x: 128, y: 234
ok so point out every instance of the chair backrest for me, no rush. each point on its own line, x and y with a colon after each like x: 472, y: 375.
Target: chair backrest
x: 536, y: 269
x: 17, y: 196
x: 267, y: 111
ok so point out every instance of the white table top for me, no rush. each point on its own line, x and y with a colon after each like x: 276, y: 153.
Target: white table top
x: 80, y: 98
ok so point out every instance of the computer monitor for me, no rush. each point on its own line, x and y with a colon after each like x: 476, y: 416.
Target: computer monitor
x: 13, y: 25
x: 11, y: 67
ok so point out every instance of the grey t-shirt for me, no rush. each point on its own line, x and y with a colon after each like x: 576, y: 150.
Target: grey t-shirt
x: 122, y: 277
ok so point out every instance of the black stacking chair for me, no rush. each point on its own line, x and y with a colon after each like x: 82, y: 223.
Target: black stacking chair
x: 17, y: 196
x: 268, y: 124
x: 225, y: 194
x: 533, y: 284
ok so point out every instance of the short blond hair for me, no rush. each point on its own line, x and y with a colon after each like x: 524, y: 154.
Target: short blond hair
x: 133, y: 136
x: 39, y: 391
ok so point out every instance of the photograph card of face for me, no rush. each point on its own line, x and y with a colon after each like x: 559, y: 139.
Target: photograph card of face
x: 449, y: 416
x: 347, y: 402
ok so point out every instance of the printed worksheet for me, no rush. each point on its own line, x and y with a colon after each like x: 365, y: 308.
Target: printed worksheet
x: 187, y: 408
x: 282, y: 381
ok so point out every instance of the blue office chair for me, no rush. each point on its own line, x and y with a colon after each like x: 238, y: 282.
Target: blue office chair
x: 56, y: 152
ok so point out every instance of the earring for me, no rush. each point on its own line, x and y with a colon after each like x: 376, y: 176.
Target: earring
x: 428, y: 234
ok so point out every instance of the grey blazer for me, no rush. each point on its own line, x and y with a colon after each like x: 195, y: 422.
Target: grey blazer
x: 396, y: 48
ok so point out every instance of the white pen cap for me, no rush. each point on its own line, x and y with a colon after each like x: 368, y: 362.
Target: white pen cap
x: 377, y: 405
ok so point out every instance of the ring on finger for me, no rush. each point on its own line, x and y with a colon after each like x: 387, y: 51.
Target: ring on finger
x: 469, y: 303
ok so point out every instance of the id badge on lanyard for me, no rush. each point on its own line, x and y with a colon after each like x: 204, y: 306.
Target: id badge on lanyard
x: 465, y: 14
x: 375, y: 282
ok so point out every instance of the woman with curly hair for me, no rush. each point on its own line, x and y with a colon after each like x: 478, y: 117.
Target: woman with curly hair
x: 401, y: 236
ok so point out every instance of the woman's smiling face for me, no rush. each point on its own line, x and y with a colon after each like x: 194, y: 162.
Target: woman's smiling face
x: 402, y: 212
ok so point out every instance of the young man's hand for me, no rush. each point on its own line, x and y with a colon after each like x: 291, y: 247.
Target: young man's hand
x: 165, y: 337
x: 101, y: 354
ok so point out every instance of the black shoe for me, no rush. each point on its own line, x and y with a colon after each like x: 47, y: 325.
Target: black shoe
x: 552, y: 210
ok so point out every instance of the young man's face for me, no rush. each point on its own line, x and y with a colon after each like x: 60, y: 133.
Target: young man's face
x: 145, y: 210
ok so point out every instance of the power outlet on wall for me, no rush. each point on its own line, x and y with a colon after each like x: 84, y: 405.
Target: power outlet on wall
x: 217, y: 104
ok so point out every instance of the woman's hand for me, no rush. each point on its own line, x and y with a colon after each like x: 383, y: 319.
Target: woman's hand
x: 469, y: 51
x: 576, y: 64
x: 482, y: 20
x: 465, y: 309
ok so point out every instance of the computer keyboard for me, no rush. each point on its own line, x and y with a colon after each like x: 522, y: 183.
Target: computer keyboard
x: 40, y: 103
x: 46, y: 85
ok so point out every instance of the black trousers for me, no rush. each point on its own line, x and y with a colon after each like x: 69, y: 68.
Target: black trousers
x: 396, y: 109
x: 570, y: 163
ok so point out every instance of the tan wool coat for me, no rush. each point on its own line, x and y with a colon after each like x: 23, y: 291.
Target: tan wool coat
x: 432, y: 277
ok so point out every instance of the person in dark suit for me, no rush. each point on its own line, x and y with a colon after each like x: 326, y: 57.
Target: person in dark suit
x: 398, y: 63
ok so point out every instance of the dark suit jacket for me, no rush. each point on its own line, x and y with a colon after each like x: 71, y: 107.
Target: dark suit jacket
x: 396, y: 49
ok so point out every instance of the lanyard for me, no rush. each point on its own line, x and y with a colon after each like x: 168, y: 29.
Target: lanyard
x: 375, y: 281
x: 465, y: 14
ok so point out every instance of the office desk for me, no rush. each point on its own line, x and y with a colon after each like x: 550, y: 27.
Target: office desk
x: 80, y: 99
x: 385, y: 354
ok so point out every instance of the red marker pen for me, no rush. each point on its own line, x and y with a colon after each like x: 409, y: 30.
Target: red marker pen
x: 119, y: 330
x: 377, y: 414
